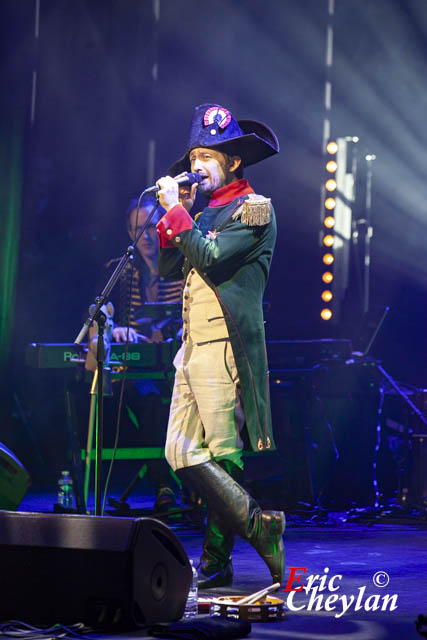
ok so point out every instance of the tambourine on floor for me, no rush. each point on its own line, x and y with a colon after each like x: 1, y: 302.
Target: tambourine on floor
x: 266, y: 609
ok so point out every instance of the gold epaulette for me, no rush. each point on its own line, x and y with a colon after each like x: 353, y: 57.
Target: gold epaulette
x: 197, y: 216
x: 255, y: 211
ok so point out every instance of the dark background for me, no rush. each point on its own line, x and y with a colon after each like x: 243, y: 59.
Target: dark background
x: 116, y: 78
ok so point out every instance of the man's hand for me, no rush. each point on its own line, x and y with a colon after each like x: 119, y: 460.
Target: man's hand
x: 187, y: 193
x: 171, y: 194
x: 157, y: 336
x: 120, y: 334
x: 168, y: 193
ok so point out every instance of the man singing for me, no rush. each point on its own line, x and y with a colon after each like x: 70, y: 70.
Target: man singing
x: 221, y: 391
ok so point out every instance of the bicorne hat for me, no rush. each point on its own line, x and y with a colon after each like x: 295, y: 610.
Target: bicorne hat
x: 215, y: 127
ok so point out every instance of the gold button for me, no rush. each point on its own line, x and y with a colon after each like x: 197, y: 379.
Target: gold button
x: 177, y: 239
x: 169, y: 232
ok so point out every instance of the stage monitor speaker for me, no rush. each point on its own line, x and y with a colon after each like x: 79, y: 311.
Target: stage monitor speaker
x: 14, y: 479
x: 107, y: 572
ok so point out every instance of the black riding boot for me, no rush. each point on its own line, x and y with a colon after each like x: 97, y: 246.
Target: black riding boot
x: 262, y: 529
x: 215, y: 568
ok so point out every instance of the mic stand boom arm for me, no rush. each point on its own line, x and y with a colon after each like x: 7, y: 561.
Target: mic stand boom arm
x: 98, y: 316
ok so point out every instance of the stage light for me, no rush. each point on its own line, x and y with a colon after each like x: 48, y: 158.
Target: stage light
x: 326, y: 314
x: 329, y: 222
x: 327, y: 277
x: 332, y: 147
x: 331, y: 166
x: 328, y: 258
x: 327, y: 295
x: 330, y: 185
x: 330, y: 203
x: 328, y: 240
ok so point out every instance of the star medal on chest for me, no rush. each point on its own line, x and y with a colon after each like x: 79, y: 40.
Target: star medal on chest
x: 212, y: 235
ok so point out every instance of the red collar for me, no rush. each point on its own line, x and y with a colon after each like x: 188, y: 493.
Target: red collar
x: 230, y: 192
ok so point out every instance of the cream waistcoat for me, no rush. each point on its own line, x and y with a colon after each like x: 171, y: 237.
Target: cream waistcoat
x: 203, y: 319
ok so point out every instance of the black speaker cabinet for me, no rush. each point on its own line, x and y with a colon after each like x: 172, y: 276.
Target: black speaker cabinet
x: 103, y: 571
x: 14, y: 479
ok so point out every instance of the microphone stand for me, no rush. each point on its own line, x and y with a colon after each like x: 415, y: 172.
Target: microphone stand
x: 99, y: 317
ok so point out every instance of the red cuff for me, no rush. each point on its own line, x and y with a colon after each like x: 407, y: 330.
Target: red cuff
x: 164, y: 242
x: 173, y: 222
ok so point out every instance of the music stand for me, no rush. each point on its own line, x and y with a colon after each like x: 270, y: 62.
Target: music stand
x: 371, y: 323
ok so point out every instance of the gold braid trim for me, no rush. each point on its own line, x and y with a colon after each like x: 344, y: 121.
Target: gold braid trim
x: 255, y: 211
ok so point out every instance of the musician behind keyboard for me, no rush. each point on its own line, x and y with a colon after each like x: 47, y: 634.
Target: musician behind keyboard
x: 140, y: 284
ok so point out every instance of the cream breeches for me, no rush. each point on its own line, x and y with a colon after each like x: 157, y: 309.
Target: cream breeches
x: 206, y: 414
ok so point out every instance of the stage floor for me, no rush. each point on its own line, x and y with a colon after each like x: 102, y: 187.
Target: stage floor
x: 366, y: 556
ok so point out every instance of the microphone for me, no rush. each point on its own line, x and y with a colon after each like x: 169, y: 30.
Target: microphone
x: 189, y: 178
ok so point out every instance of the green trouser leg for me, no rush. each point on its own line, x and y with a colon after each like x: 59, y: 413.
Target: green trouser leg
x: 215, y: 568
x: 262, y: 529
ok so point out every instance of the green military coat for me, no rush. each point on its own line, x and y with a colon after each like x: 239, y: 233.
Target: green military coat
x: 231, y: 246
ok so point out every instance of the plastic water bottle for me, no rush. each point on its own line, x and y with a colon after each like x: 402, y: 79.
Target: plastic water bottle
x: 191, y: 606
x: 65, y: 490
